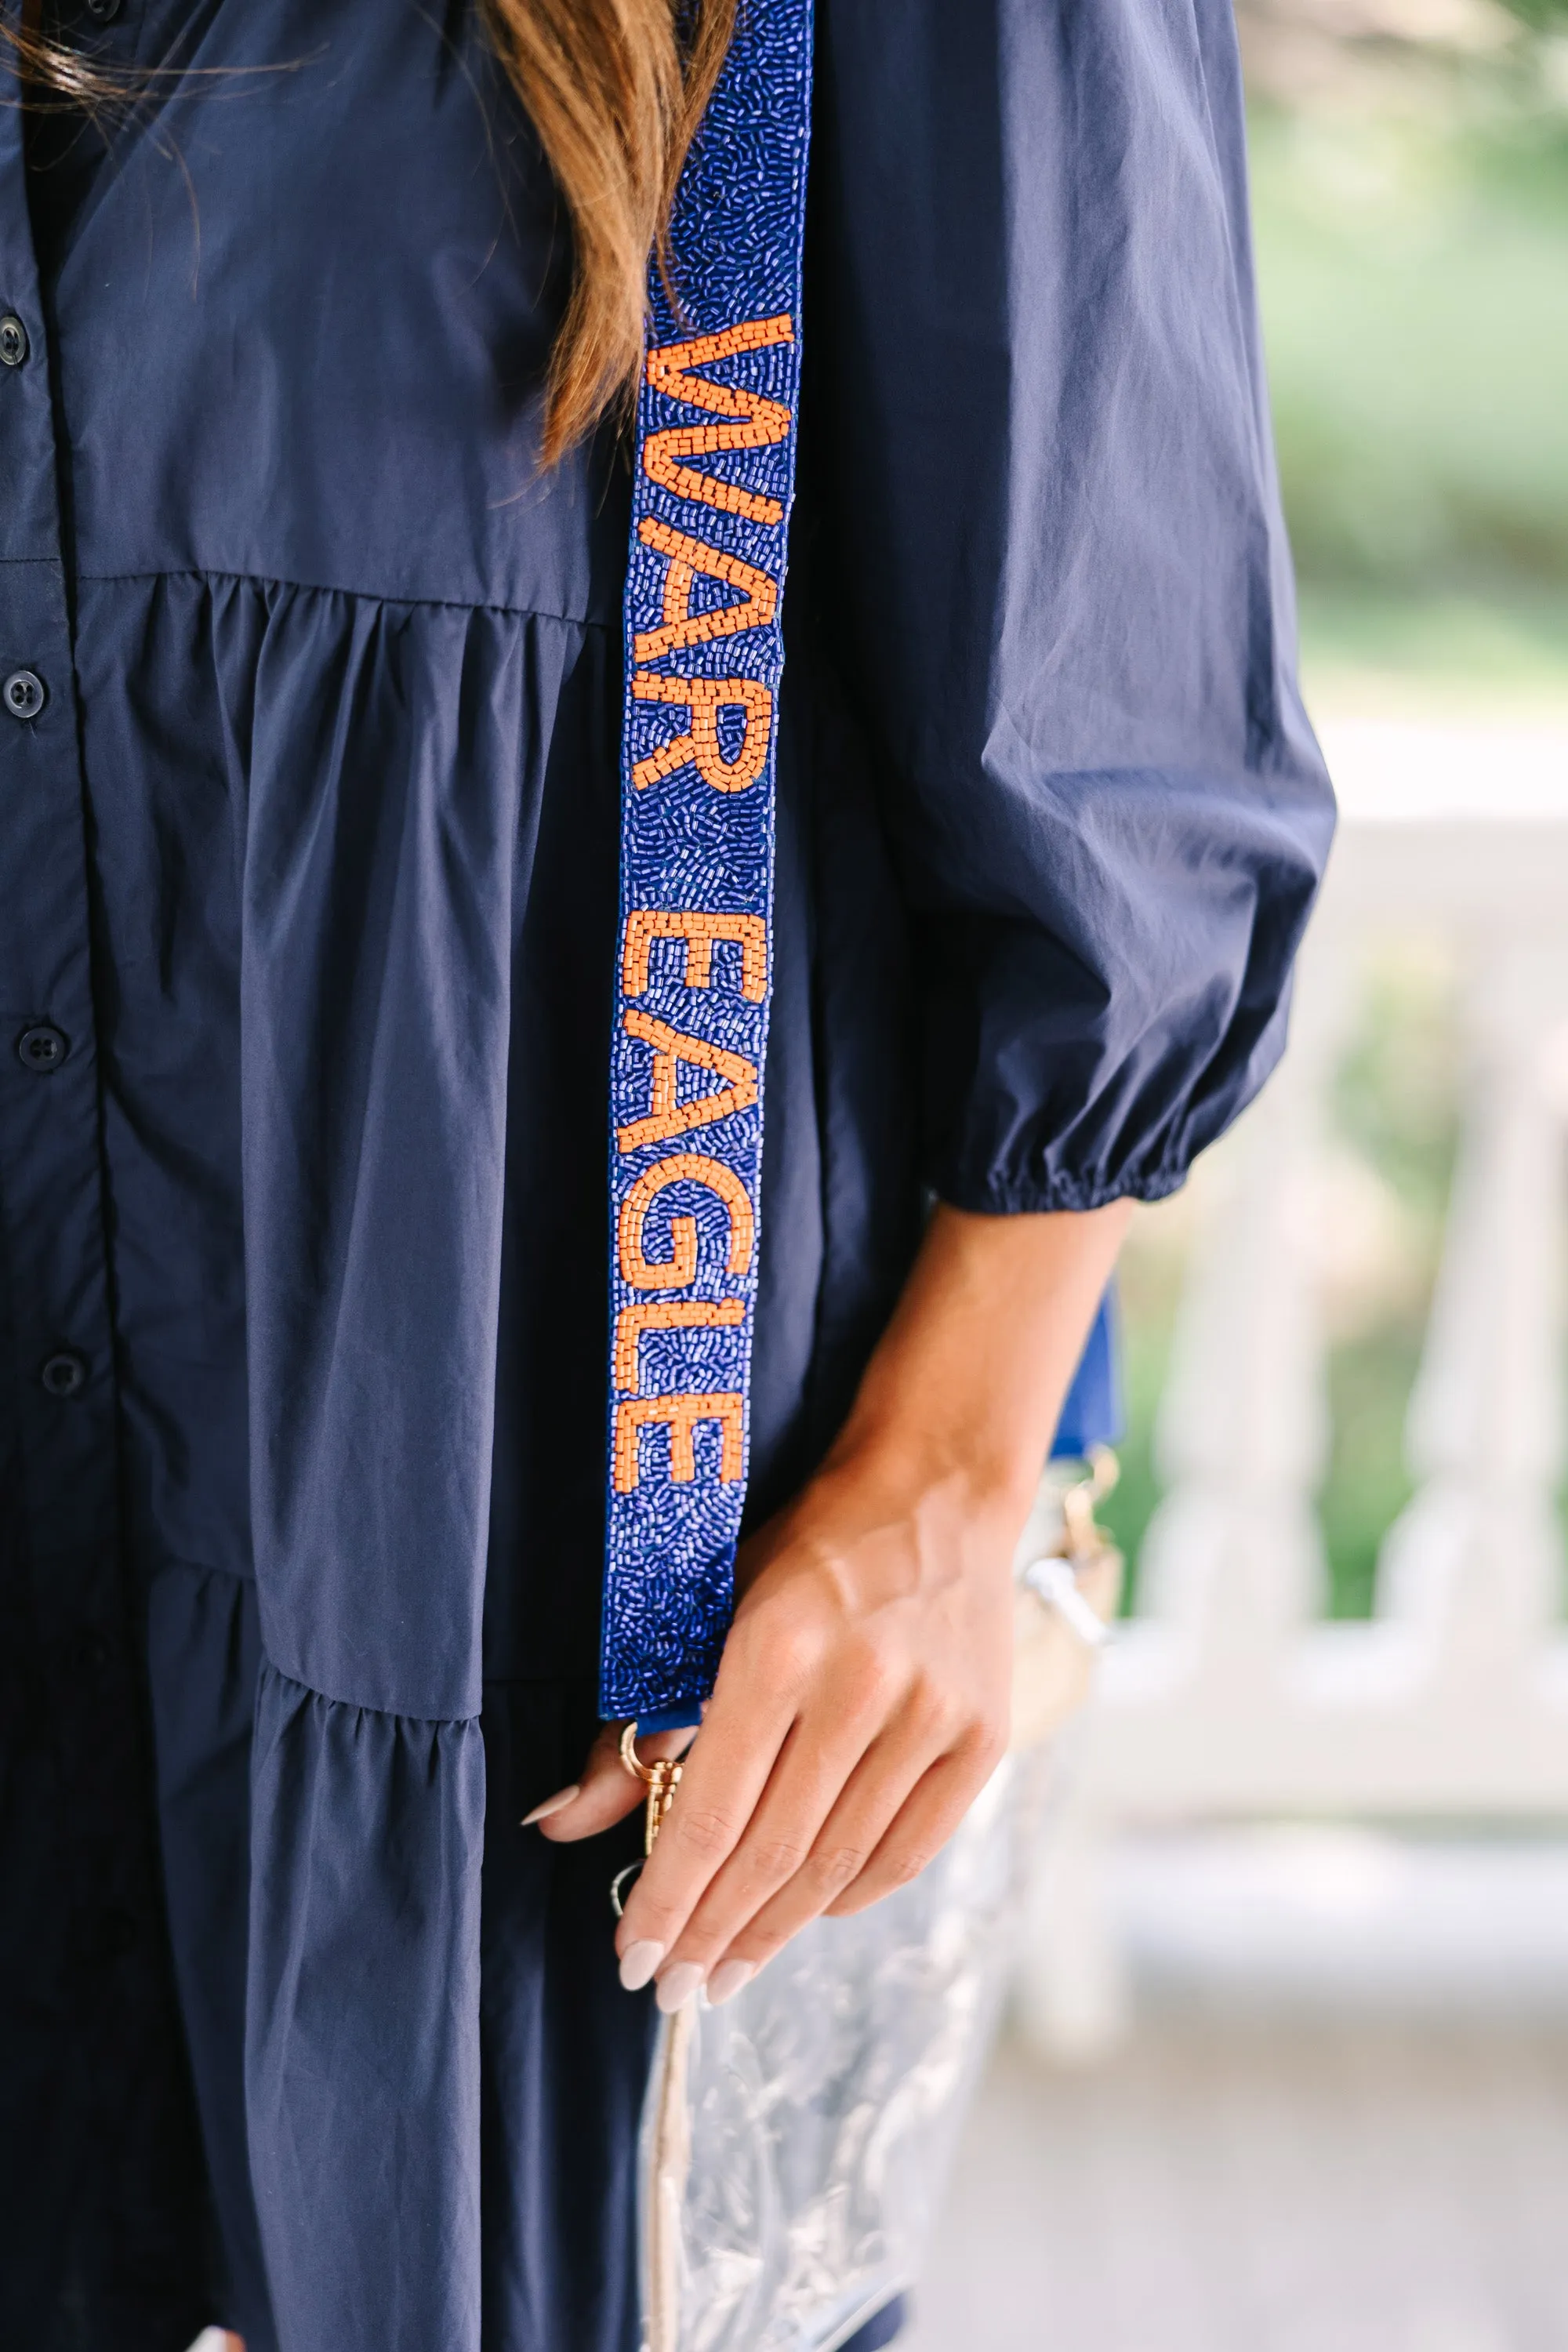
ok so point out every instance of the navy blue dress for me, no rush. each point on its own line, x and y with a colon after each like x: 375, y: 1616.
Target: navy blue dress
x: 308, y: 778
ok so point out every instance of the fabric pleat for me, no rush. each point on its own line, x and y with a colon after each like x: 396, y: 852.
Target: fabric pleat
x: 204, y: 1654
x: 362, y: 2059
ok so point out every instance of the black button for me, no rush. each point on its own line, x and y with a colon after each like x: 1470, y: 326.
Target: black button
x: 42, y: 1048
x: 92, y: 1652
x: 105, y: 11
x: 13, y: 341
x: 22, y: 693
x: 64, y: 1375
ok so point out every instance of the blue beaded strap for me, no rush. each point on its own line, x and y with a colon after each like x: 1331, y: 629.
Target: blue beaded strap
x: 713, y: 482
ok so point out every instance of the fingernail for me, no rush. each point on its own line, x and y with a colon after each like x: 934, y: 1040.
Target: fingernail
x: 727, y: 1980
x: 639, y: 1962
x: 676, y: 1986
x: 561, y: 1798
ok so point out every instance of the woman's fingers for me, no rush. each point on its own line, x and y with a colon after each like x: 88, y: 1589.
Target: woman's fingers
x: 782, y: 1840
x: 821, y: 1819
x: 923, y: 1824
x: 898, y: 1808
x: 747, y: 1721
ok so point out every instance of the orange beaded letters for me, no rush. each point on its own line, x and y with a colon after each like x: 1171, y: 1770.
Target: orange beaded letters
x: 682, y: 1415
x: 705, y: 698
x: 757, y: 605
x: 759, y: 422
x: 666, y: 1315
x: 727, y: 739
x: 667, y: 1114
x: 641, y: 1273
x: 698, y: 930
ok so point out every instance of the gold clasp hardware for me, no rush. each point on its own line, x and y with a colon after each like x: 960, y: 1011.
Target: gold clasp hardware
x: 661, y: 1779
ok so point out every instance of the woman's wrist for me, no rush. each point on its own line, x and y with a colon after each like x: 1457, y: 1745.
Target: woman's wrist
x: 962, y: 1398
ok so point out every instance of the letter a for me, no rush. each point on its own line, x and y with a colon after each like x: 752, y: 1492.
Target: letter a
x: 686, y: 557
x: 667, y: 1115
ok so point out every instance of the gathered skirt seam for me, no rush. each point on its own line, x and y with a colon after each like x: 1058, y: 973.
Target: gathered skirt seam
x: 363, y: 1707
x: 325, y: 588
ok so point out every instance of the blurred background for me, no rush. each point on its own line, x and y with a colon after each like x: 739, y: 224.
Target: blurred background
x: 1288, y: 2065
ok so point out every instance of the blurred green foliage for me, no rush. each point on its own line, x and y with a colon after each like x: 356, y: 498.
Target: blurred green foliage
x: 1539, y: 15
x: 1363, y: 640
x: 1415, y: 290
x: 1411, y: 206
x: 1148, y: 1289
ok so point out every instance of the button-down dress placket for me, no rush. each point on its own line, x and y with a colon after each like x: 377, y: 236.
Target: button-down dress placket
x: 79, y: 1856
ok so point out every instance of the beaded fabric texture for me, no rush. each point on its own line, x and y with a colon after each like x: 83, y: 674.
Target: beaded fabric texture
x: 713, y: 482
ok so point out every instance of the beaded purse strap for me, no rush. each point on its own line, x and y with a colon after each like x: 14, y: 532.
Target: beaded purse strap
x: 713, y: 481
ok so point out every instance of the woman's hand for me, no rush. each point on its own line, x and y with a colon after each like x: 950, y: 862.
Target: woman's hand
x: 861, y: 1701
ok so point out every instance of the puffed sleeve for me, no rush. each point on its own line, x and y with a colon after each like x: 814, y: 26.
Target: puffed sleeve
x: 1058, y: 579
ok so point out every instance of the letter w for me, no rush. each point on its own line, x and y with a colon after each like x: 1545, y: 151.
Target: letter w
x: 758, y: 422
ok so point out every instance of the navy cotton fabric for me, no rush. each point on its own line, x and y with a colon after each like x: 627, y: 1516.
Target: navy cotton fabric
x: 309, y: 865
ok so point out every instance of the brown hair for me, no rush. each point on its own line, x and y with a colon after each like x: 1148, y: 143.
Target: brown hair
x: 616, y: 90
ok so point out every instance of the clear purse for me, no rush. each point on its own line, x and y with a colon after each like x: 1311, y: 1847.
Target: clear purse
x: 795, y: 2141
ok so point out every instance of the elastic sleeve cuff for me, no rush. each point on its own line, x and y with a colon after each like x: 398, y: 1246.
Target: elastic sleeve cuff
x: 1004, y: 1196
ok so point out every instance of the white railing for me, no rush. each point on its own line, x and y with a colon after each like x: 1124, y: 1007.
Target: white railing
x: 1226, y: 1697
